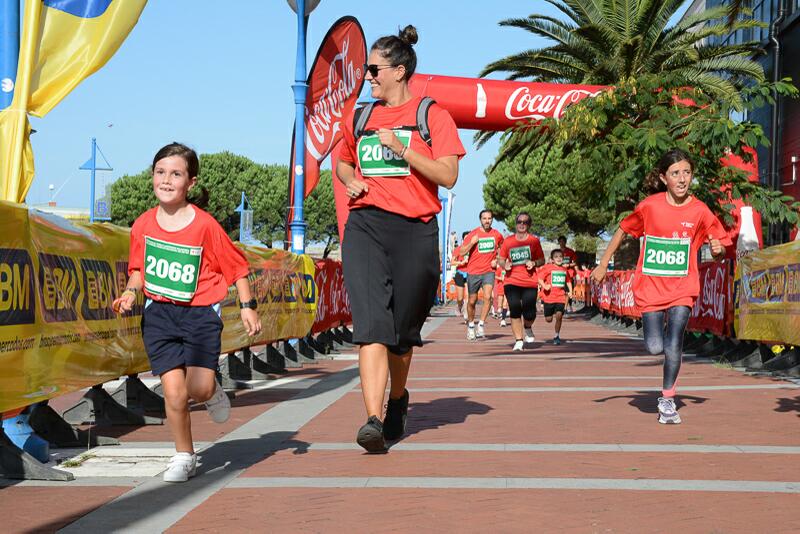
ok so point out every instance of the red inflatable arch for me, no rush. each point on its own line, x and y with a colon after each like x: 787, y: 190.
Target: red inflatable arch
x: 497, y: 105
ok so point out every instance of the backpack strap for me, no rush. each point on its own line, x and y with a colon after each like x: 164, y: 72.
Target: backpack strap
x: 360, y: 119
x: 362, y: 114
x: 422, y: 119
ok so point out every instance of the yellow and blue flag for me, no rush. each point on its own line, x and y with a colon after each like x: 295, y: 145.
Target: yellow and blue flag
x: 63, y: 42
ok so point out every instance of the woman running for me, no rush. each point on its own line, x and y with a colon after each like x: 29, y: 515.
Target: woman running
x: 390, y: 251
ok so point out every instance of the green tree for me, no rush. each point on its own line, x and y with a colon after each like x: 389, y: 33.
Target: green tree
x: 226, y: 175
x: 131, y: 195
x: 546, y: 188
x: 604, y: 42
x: 620, y: 135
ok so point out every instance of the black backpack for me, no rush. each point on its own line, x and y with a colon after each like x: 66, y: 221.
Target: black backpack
x: 362, y: 114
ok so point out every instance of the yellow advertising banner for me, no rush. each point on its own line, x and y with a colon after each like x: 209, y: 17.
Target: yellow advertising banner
x: 767, y: 295
x: 58, y: 280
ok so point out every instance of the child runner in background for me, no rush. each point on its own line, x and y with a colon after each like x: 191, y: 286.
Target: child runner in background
x: 181, y: 325
x: 666, y: 284
x: 460, y: 278
x: 555, y: 285
x: 520, y: 255
x: 499, y: 295
x: 569, y: 262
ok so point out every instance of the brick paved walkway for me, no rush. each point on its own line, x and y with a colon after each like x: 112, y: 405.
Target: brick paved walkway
x: 555, y: 439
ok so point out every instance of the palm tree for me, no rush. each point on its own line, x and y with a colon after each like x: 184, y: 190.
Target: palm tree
x: 602, y: 42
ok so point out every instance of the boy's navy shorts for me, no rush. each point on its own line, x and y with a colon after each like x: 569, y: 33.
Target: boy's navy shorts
x: 181, y: 335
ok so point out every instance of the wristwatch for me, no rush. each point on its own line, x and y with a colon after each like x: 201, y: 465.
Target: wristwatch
x: 252, y: 304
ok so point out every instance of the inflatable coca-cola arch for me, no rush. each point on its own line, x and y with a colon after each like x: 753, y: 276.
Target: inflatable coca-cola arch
x: 337, y: 76
x: 497, y: 105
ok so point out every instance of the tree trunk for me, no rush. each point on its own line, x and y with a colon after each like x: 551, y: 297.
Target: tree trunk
x: 327, y: 248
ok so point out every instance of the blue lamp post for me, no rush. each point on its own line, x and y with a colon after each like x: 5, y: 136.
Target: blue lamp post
x: 9, y: 50
x: 303, y: 8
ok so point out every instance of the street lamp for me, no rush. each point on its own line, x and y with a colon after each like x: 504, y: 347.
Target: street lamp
x: 303, y: 8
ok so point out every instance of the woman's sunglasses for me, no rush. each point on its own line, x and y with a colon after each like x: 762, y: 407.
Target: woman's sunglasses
x: 526, y: 222
x: 374, y: 69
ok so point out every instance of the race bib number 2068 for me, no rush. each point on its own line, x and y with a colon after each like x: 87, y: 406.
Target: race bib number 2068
x: 171, y: 270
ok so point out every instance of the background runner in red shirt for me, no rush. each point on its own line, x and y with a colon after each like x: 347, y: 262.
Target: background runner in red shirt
x: 555, y: 283
x: 481, y: 244
x: 520, y: 255
x: 674, y: 225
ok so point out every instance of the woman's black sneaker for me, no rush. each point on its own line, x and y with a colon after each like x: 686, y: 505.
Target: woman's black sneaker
x: 394, y: 425
x: 370, y: 436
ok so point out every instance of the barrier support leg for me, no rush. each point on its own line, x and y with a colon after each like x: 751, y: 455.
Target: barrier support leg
x: 19, y: 465
x: 318, y: 347
x: 291, y: 355
x: 19, y: 431
x: 52, y: 427
x: 234, y: 371
x: 134, y: 395
x: 276, y: 360
x: 98, y: 407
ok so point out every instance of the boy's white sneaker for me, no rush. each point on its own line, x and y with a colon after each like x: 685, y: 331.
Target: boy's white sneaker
x: 181, y: 467
x: 219, y: 405
x: 518, y: 345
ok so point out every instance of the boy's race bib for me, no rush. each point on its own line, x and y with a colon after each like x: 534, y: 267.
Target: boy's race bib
x: 558, y: 279
x: 171, y: 270
x: 374, y: 159
x: 519, y: 255
x: 664, y: 256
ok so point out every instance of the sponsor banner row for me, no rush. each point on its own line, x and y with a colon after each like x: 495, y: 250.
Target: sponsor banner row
x: 712, y: 311
x: 58, y: 332
x: 767, y: 295
x: 333, y: 307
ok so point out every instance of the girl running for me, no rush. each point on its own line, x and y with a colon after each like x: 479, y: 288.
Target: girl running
x: 674, y: 225
x: 520, y: 255
x: 181, y: 325
x: 460, y: 278
x: 390, y: 250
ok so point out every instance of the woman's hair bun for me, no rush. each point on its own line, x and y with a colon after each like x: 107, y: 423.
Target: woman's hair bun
x: 409, y: 35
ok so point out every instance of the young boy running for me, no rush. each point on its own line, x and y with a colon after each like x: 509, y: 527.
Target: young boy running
x: 554, y: 278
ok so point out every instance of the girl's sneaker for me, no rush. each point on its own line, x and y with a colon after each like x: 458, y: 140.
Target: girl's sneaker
x: 181, y: 467
x: 529, y: 337
x: 518, y: 345
x: 503, y: 322
x: 667, y: 413
x: 219, y: 405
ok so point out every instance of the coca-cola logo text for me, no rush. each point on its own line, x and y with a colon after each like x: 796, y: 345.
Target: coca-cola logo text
x: 324, y: 121
x: 524, y: 105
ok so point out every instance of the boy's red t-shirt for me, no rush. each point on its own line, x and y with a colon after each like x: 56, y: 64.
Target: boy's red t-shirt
x: 484, y: 252
x: 410, y: 195
x: 519, y: 251
x: 667, y: 273
x: 221, y: 264
x: 558, y: 277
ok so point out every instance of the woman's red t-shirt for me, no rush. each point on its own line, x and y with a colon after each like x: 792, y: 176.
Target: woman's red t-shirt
x: 667, y: 273
x: 221, y: 264
x: 519, y: 251
x: 410, y: 195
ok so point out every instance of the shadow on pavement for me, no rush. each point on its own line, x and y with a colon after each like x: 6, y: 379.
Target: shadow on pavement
x: 789, y: 405
x: 441, y: 412
x: 647, y: 401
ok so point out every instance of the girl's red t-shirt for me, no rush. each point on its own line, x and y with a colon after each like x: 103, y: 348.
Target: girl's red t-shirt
x: 558, y: 277
x: 394, y: 186
x: 667, y: 273
x: 519, y: 251
x: 193, y: 266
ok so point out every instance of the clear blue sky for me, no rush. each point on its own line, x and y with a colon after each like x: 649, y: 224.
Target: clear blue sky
x: 218, y: 78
